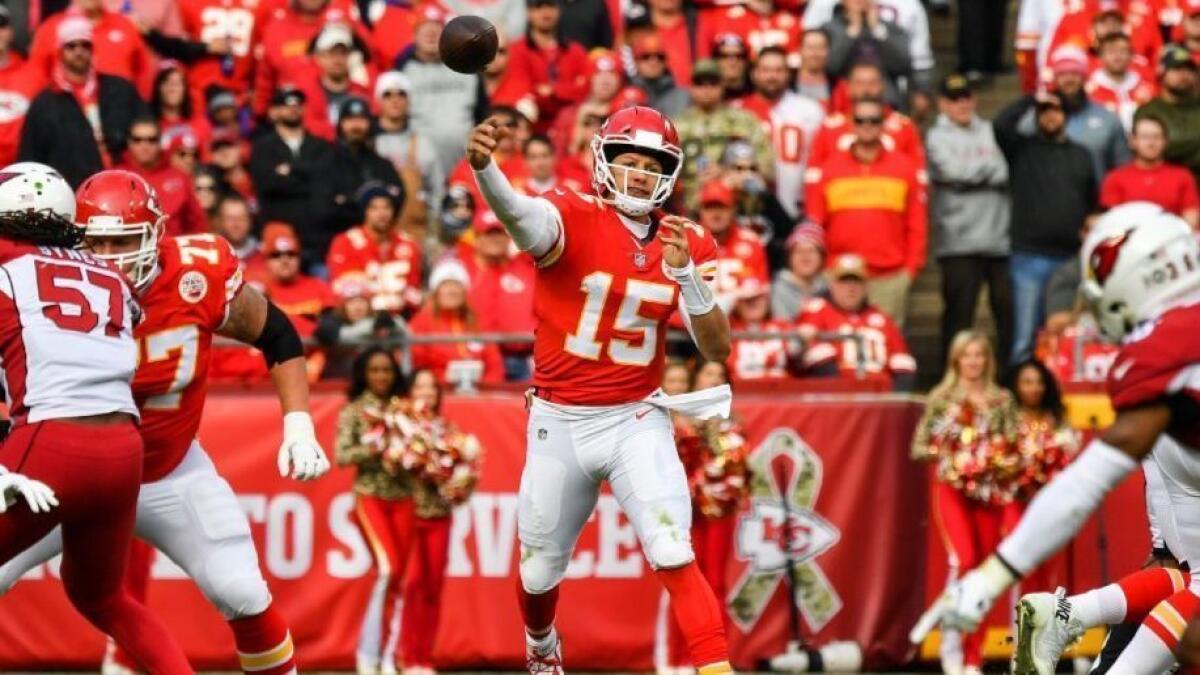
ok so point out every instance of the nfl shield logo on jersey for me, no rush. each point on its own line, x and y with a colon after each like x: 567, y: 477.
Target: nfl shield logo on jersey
x: 639, y: 260
x: 193, y: 287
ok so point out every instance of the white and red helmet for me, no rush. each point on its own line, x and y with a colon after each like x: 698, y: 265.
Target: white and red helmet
x: 118, y: 203
x: 1138, y: 261
x: 642, y: 130
x: 37, y: 205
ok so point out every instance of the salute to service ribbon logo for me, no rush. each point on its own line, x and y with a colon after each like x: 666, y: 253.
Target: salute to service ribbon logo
x: 769, y: 532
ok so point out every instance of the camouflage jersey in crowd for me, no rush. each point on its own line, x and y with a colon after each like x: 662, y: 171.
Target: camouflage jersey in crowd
x: 705, y: 135
x: 975, y: 450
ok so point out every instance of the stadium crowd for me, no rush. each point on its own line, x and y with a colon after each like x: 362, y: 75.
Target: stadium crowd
x: 325, y: 141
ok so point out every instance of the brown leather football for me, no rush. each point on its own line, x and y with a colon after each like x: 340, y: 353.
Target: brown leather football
x: 468, y: 44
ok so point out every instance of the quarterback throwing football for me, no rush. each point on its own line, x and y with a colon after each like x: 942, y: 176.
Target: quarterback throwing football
x: 611, y: 270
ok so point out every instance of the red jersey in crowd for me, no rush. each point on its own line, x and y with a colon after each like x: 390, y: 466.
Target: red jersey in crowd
x: 883, y: 348
x: 740, y: 256
x: 302, y: 299
x: 283, y: 52
x: 175, y: 196
x: 393, y: 32
x: 183, y: 306
x: 20, y: 82
x: 502, y: 296
x: 677, y: 43
x: 1161, y: 363
x: 793, y: 123
x: 557, y: 76
x: 391, y: 269
x: 602, y: 302
x: 117, y: 49
x: 837, y: 134
x: 238, y: 21
x: 1168, y: 185
x: 1122, y: 97
x: 1076, y: 355
x: 320, y: 117
x: 759, y: 360
x: 1075, y: 28
x: 876, y: 210
x: 777, y: 29
x: 443, y: 358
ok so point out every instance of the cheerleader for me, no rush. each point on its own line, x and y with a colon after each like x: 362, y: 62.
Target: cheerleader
x: 447, y: 472
x: 714, y: 455
x: 1046, y: 444
x: 968, y: 432
x: 383, y: 504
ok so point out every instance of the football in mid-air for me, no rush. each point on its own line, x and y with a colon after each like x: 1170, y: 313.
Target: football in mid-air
x: 468, y: 44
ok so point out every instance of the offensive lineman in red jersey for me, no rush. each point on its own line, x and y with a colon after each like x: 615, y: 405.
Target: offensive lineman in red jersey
x: 191, y: 288
x: 611, y: 271
x: 66, y: 357
x: 1141, y: 274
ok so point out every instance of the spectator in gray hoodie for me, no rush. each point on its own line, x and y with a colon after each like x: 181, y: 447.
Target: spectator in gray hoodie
x: 653, y: 78
x: 970, y: 212
x: 443, y: 105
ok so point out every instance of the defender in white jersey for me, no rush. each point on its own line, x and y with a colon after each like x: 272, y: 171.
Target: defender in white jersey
x: 67, y: 357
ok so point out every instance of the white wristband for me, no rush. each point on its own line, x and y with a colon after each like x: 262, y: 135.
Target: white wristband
x: 697, y: 296
x: 298, y: 425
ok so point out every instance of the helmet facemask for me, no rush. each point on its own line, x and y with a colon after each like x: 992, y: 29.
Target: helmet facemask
x: 138, y: 264
x: 615, y: 192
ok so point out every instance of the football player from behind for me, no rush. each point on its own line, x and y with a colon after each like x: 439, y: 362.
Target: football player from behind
x: 74, y: 455
x: 1141, y: 275
x: 191, y: 288
x: 612, y: 269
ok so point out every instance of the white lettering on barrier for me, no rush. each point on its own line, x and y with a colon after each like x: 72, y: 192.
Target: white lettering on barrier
x: 279, y: 563
x: 357, y: 562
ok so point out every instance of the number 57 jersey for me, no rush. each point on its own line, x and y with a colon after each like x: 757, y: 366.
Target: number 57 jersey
x: 602, y: 302
x: 184, y: 305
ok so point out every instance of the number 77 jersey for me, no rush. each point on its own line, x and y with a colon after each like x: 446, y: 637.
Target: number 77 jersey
x: 602, y: 303
x: 198, y: 276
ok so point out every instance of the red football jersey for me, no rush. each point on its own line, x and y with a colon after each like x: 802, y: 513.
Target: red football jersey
x: 884, y: 349
x: 239, y: 22
x: 184, y: 305
x: 1160, y: 361
x: 392, y: 270
x: 759, y: 360
x: 740, y: 256
x: 602, y: 303
x: 777, y: 29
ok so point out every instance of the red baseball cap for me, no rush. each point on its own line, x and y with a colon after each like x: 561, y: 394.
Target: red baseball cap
x: 279, y: 237
x: 650, y: 43
x: 603, y: 61
x: 716, y: 192
x: 848, y: 265
x: 431, y: 11
x: 488, y: 222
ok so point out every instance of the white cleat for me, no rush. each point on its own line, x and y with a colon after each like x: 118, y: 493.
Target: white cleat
x: 1046, y: 626
x: 543, y: 660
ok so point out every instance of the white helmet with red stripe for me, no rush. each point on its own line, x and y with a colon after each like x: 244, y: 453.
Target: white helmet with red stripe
x: 641, y: 130
x: 1138, y: 261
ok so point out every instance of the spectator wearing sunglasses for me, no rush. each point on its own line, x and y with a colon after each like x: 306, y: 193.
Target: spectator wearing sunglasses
x: 871, y: 202
x: 79, y: 124
x: 733, y: 65
x: 555, y: 70
x: 412, y: 155
x: 119, y: 51
x: 653, y: 77
x: 174, y: 187
x: 301, y: 297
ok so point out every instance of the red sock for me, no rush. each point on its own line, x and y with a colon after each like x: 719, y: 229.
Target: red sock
x: 264, y: 645
x: 698, y: 614
x: 537, y: 610
x: 1146, y: 588
x: 1170, y: 618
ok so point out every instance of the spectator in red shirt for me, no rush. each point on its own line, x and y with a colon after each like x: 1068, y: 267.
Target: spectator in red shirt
x: 879, y: 349
x: 604, y: 83
x: 740, y: 254
x: 760, y: 23
x: 447, y: 311
x: 502, y: 291
x: 1149, y: 179
x: 757, y: 359
x: 871, y: 201
x: 546, y: 173
x: 556, y: 71
x: 119, y: 48
x: 865, y: 80
x: 174, y: 187
x: 671, y: 25
x: 19, y: 83
x: 380, y: 253
x: 328, y: 85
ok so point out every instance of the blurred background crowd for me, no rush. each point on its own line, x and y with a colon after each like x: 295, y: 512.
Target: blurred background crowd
x: 829, y: 155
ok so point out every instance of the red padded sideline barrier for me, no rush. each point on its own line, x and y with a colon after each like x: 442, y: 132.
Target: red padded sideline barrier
x: 859, y: 508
